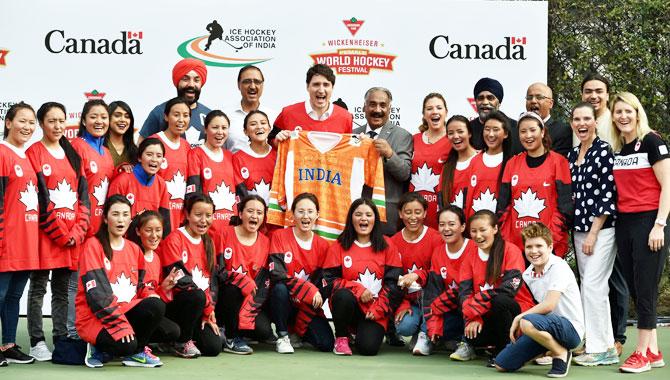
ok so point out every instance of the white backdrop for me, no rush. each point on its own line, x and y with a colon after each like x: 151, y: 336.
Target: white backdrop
x: 388, y: 43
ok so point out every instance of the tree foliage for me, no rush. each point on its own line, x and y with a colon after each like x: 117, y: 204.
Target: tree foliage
x: 627, y: 41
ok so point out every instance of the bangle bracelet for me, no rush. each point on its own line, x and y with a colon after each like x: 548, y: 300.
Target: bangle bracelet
x: 661, y: 222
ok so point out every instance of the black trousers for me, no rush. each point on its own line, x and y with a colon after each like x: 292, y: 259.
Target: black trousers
x: 186, y: 311
x: 228, y: 314
x: 619, y: 298
x: 347, y: 314
x: 143, y: 318
x: 495, y: 331
x: 318, y: 334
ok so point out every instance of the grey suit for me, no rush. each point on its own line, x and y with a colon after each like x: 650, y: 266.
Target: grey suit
x: 396, y: 169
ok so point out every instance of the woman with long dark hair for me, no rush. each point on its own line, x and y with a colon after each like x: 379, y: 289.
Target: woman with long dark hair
x: 116, y: 313
x: 536, y: 186
x: 455, y: 177
x: 361, y: 271
x: 120, y: 137
x: 431, y: 147
x: 19, y: 229
x: 64, y: 220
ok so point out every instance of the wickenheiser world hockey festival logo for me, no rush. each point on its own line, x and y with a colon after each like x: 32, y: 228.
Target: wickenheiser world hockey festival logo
x: 354, y: 56
x: 232, y: 46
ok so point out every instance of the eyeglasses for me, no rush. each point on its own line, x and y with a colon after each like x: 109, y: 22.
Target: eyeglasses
x: 538, y: 97
x: 247, y: 82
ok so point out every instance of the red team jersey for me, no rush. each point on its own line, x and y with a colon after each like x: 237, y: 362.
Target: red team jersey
x: 476, y: 293
x: 240, y: 258
x: 19, y: 210
x: 213, y: 175
x: 99, y: 171
x: 295, y: 115
x: 460, y: 184
x: 64, y: 207
x: 142, y: 198
x: 174, y: 170
x: 483, y: 186
x: 253, y: 172
x: 108, y: 289
x: 362, y: 268
x: 534, y: 198
x: 187, y: 253
x: 427, y: 165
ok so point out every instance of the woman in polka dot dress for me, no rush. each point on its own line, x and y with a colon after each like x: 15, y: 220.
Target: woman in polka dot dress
x: 591, y: 165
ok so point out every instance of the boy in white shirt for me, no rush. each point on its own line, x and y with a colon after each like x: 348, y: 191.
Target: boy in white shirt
x: 556, y: 323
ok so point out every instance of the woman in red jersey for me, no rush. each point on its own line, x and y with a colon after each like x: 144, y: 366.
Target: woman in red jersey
x: 146, y: 230
x: 244, y: 277
x: 143, y: 188
x: 120, y: 137
x: 415, y: 244
x: 455, y: 177
x: 536, y: 186
x: 116, y: 313
x: 64, y: 215
x: 295, y: 264
x: 190, y: 252
x: 642, y: 177
x: 19, y: 230
x: 441, y: 308
x: 174, y: 167
x: 210, y: 170
x: 362, y: 270
x: 487, y: 167
x: 491, y: 290
x: 431, y: 148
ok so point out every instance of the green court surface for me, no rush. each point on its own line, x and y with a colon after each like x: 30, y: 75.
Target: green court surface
x: 265, y: 363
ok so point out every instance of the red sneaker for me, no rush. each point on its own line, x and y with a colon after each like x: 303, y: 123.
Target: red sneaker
x: 656, y: 361
x: 636, y: 363
x: 342, y: 346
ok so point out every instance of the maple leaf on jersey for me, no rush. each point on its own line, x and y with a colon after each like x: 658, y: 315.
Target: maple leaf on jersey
x: 529, y: 205
x: 424, y: 179
x: 222, y: 197
x: 262, y: 189
x: 199, y: 279
x: 301, y: 275
x: 486, y: 286
x: 29, y: 197
x: 123, y: 288
x: 458, y: 200
x: 370, y: 281
x: 176, y: 186
x: 453, y: 285
x: 193, y: 136
x: 413, y: 269
x: 239, y: 270
x: 63, y: 196
x: 100, y: 191
x: 486, y: 201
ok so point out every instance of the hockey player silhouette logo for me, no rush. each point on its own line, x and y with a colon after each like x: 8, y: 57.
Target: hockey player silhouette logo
x: 215, y: 33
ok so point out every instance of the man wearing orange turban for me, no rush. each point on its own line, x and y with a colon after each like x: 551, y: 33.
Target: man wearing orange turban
x: 188, y: 76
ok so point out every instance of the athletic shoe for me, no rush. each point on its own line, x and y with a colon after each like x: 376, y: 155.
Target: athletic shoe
x: 342, y: 346
x: 237, y: 346
x: 491, y: 362
x: 544, y: 360
x: 423, y: 346
x: 3, y: 361
x: 608, y: 357
x: 463, y: 353
x: 14, y: 355
x: 395, y: 340
x: 636, y: 363
x: 656, y: 361
x: 40, y: 352
x: 93, y: 358
x: 560, y: 367
x: 142, y: 359
x: 296, y: 340
x: 186, y: 350
x: 284, y: 345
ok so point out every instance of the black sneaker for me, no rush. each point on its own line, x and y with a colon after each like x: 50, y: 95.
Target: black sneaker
x: 560, y: 368
x: 14, y: 355
x: 395, y: 340
x: 491, y: 362
x: 3, y: 361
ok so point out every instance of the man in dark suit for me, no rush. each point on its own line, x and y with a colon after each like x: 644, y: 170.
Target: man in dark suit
x: 488, y: 95
x: 396, y: 147
x: 540, y: 99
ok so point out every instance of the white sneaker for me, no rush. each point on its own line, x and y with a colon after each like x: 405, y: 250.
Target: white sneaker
x: 464, y: 352
x: 284, y: 345
x: 423, y: 346
x: 40, y: 352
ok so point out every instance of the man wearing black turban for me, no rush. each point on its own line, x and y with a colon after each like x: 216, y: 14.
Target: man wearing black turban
x: 488, y: 95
